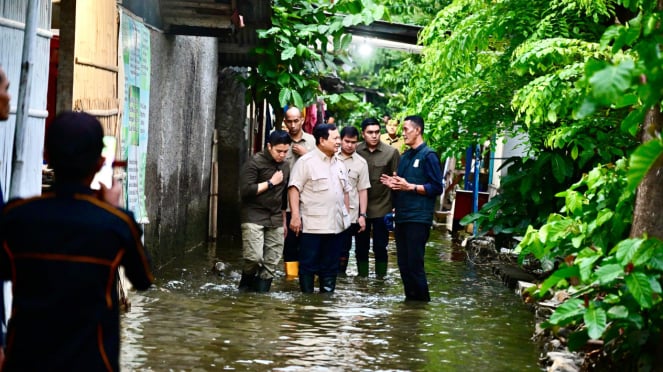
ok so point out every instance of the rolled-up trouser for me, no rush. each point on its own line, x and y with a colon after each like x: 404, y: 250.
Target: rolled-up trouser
x: 262, y: 248
x: 320, y: 254
x: 380, y: 240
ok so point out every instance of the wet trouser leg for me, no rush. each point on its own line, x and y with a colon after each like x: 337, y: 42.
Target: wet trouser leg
x: 252, y: 251
x: 290, y: 248
x: 377, y: 229
x: 253, y: 240
x: 320, y: 254
x: 362, y: 246
x: 411, y: 241
x: 380, y: 242
x: 273, y: 247
x: 347, y: 246
x: 291, y: 243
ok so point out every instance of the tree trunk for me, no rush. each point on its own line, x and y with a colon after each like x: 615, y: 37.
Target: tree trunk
x: 648, y: 213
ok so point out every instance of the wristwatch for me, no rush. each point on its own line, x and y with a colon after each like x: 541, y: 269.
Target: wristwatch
x: 363, y: 215
x: 270, y: 185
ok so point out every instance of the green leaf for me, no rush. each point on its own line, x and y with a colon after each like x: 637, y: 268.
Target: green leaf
x: 284, y: 97
x: 618, y: 312
x: 642, y: 160
x: 608, y: 273
x: 626, y: 249
x: 297, y: 99
x: 284, y: 79
x: 639, y: 286
x: 596, y: 321
x: 554, y: 231
x: 610, y: 83
x: 557, y: 276
x: 288, y: 53
x: 633, y: 122
x: 568, y: 312
x: 574, y: 202
x: 656, y: 261
x: 350, y: 97
x: 558, y: 167
x: 603, y: 216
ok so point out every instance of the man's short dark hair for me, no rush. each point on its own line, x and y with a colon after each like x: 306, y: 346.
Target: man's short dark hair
x: 369, y: 121
x: 349, y: 132
x: 417, y: 120
x: 73, y: 145
x: 279, y: 137
x: 322, y: 131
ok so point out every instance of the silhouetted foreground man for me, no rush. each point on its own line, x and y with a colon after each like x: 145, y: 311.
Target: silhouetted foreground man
x: 61, y: 250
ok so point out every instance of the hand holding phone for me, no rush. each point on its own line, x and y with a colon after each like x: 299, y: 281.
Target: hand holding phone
x: 105, y: 174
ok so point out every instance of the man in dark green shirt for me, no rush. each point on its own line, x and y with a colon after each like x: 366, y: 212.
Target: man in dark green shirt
x: 264, y: 181
x: 381, y: 159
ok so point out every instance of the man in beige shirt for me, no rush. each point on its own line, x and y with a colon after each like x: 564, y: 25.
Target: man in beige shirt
x: 318, y: 197
x: 392, y: 138
x: 302, y: 143
x: 358, y: 178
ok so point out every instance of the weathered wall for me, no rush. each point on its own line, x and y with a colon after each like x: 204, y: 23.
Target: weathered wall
x: 231, y: 122
x: 182, y: 119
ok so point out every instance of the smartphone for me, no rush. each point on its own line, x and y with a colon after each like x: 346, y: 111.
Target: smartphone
x: 105, y: 174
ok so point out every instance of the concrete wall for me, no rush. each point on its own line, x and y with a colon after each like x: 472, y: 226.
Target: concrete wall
x: 231, y: 122
x: 182, y: 120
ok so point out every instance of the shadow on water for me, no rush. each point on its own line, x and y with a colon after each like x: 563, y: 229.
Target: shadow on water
x: 197, y: 320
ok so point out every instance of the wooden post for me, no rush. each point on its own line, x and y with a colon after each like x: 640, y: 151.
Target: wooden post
x: 214, y: 189
x: 21, y: 185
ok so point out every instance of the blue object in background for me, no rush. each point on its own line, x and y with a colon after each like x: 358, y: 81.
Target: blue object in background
x: 389, y: 221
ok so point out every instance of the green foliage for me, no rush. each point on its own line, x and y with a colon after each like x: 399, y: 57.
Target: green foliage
x: 476, y: 51
x: 527, y: 192
x: 617, y: 290
x: 305, y: 39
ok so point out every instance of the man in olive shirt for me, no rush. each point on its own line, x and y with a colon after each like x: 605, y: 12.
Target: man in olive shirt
x: 302, y: 143
x: 381, y: 159
x: 264, y: 181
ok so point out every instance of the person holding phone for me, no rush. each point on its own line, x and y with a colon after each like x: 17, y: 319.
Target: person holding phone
x: 62, y: 250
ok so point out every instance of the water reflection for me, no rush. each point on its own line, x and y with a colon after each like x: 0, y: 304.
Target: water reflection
x: 196, y: 320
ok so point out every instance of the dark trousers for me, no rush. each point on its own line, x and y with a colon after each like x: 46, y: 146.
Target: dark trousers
x: 380, y: 240
x: 319, y: 254
x: 291, y: 242
x: 411, y: 241
x: 347, y: 240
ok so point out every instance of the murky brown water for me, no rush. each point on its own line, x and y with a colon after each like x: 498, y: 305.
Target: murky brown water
x: 197, y: 321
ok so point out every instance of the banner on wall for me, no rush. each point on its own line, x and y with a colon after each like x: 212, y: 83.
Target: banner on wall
x: 135, y: 52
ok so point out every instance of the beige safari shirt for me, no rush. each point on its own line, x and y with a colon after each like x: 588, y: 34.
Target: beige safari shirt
x: 398, y: 143
x: 322, y: 182
x: 358, y: 179
x: 307, y: 141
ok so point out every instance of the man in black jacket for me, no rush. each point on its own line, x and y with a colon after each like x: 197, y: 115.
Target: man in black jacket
x: 417, y: 183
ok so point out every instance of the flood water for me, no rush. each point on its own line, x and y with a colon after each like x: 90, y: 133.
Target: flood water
x: 196, y: 320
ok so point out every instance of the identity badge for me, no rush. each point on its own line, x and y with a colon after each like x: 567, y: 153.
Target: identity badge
x: 416, y: 163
